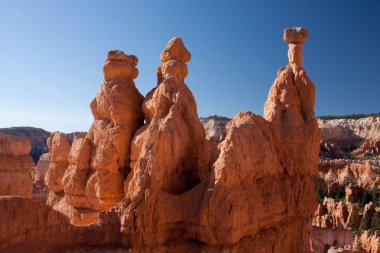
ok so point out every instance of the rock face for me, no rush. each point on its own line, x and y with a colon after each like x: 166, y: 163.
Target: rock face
x: 349, y: 134
x: 336, y: 215
x: 360, y: 173
x: 290, y: 108
x: 90, y: 175
x: 15, y: 166
x: 41, y: 167
x: 295, y: 37
x: 170, y: 201
x: 214, y: 126
x: 349, y: 168
x: 40, y: 191
x: 27, y: 226
x: 369, y: 148
x: 367, y: 243
x: 163, y: 186
x: 59, y: 151
x: 37, y: 136
x: 322, y: 239
x: 351, y: 187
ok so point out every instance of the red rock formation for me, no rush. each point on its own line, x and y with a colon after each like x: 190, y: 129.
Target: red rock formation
x: 253, y: 192
x: 361, y: 174
x: 323, y: 239
x: 41, y: 167
x: 331, y: 150
x: 93, y: 171
x: 331, y: 214
x: 290, y: 108
x: 214, y: 126
x: 59, y: 150
x: 367, y: 243
x: 40, y: 191
x: 15, y: 166
x: 37, y: 136
x: 352, y: 193
x: 170, y: 200
x: 169, y: 155
x: 348, y: 134
x: 27, y: 226
x: 345, y: 217
x: 370, y: 147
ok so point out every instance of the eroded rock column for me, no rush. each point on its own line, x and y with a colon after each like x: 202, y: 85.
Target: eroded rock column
x: 98, y: 162
x: 15, y: 166
x: 295, y: 37
x: 290, y: 108
x: 59, y: 149
x: 173, y: 137
x: 169, y: 157
x: 117, y: 115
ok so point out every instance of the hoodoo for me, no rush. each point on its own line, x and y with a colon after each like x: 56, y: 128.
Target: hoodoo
x: 163, y: 187
x: 98, y: 162
x: 15, y: 166
x: 203, y: 197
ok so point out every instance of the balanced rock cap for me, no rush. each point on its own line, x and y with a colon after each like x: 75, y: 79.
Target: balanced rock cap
x: 119, y: 66
x: 295, y: 35
x: 175, y: 50
x: 117, y: 55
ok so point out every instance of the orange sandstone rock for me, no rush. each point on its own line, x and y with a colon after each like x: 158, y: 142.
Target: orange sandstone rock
x: 28, y: 226
x: 331, y: 214
x: 96, y: 165
x: 182, y: 188
x: 367, y: 243
x: 59, y: 149
x: 361, y: 173
x: 15, y: 166
x: 295, y: 37
x: 290, y: 109
x: 370, y: 147
x: 171, y: 189
x: 169, y: 155
x: 42, y: 167
x: 117, y: 115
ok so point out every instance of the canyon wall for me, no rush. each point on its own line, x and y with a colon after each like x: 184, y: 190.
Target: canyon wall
x: 348, y: 182
x: 348, y: 133
x: 38, y: 138
x: 214, y: 126
x: 323, y: 239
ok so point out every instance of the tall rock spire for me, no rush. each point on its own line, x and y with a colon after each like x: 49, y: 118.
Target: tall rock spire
x: 98, y: 162
x: 295, y: 36
x: 290, y: 108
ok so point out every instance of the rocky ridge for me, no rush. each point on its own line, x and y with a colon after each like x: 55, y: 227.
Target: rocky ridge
x: 38, y: 137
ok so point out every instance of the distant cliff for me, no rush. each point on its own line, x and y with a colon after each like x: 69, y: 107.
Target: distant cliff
x: 38, y: 137
x: 214, y: 126
x: 340, y: 138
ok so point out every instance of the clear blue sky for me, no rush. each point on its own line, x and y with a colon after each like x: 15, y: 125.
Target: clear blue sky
x: 52, y: 52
